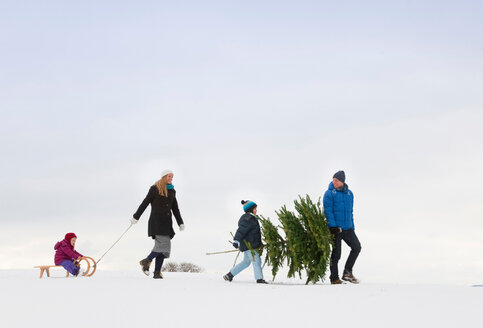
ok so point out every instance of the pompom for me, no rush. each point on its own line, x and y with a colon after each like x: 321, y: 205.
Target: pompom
x: 243, y: 202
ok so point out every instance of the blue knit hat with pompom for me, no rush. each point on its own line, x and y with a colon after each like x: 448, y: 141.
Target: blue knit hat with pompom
x: 248, y: 205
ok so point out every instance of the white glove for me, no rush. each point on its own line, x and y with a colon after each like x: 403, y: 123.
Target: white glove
x: 133, y: 221
x: 181, y: 227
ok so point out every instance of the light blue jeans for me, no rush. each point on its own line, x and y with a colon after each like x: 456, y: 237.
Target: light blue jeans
x: 247, y: 259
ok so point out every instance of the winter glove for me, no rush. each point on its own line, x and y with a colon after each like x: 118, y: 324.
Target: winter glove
x: 181, y: 227
x: 335, y: 230
x: 236, y: 244
x: 133, y: 221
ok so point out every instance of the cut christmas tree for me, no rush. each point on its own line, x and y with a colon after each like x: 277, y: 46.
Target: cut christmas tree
x: 306, y: 244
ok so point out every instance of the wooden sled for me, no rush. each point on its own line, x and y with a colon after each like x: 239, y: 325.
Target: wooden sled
x: 87, y: 259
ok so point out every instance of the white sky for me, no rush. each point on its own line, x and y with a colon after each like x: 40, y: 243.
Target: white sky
x: 262, y: 100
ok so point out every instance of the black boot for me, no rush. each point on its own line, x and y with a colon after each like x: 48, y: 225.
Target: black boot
x: 157, y: 275
x: 261, y: 281
x: 145, y: 263
x: 228, y: 276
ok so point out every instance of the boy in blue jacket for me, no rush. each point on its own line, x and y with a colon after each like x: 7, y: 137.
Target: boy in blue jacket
x: 248, y: 233
x: 338, y: 208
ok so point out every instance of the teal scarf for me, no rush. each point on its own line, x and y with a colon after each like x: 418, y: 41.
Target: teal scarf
x: 170, y: 186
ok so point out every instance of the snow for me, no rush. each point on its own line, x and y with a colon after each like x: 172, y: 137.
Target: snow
x: 130, y: 299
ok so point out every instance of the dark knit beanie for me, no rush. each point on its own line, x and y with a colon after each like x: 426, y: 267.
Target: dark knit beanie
x: 69, y: 236
x: 340, y: 175
x: 248, y: 205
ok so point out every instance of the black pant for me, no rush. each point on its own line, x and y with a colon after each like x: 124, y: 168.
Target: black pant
x: 350, y: 238
x: 159, y: 260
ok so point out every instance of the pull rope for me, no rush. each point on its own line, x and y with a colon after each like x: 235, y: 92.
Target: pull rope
x: 115, y: 243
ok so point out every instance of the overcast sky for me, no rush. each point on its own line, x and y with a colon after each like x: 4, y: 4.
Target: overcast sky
x: 260, y: 100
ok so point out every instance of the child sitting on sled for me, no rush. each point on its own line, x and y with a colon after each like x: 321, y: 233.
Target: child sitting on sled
x: 65, y: 254
x: 248, y: 234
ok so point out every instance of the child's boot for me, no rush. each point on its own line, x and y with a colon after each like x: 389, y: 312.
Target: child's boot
x: 261, y: 281
x: 228, y: 276
x: 145, y: 263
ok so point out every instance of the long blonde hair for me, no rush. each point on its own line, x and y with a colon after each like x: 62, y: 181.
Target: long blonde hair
x: 161, y: 185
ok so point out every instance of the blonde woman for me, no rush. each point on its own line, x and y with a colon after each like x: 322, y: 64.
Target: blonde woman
x: 162, y: 198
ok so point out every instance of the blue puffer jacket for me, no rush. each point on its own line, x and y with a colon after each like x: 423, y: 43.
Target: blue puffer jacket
x: 248, y: 230
x: 338, y: 206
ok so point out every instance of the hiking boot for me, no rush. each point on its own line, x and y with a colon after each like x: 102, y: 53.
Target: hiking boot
x: 261, y: 281
x: 228, y: 276
x: 157, y: 275
x: 350, y: 278
x: 145, y: 266
x: 336, y: 282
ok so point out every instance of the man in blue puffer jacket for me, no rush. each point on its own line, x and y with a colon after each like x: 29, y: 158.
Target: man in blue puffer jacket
x: 338, y: 208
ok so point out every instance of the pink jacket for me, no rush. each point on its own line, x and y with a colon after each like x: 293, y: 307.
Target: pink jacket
x: 65, y: 251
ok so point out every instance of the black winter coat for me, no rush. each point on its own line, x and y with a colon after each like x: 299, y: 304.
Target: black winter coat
x: 160, y: 220
x: 248, y: 230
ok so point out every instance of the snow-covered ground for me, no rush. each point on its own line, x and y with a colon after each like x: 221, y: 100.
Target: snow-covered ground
x: 130, y: 299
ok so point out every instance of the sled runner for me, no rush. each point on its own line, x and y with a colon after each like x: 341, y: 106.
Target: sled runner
x: 87, y: 273
x: 46, y: 268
